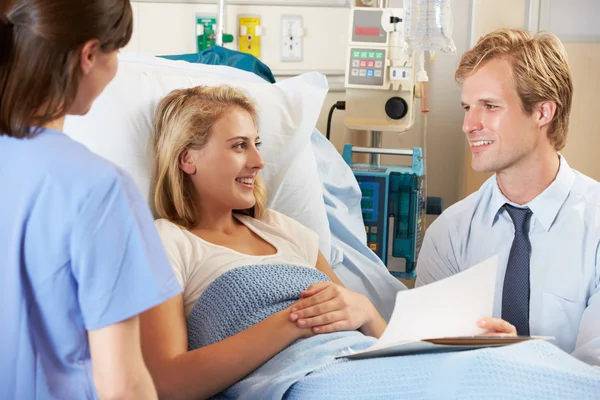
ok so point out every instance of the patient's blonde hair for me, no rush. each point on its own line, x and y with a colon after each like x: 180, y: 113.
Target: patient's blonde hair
x: 539, y: 69
x: 184, y: 119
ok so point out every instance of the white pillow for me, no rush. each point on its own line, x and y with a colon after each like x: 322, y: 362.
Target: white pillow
x: 119, y: 128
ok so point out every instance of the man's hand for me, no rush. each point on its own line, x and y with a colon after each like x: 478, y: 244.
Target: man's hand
x: 328, y: 307
x: 497, y: 327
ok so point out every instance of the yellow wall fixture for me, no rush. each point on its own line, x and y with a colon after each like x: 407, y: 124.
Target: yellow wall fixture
x: 250, y: 32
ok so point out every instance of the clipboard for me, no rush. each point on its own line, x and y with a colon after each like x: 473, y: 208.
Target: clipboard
x: 443, y: 344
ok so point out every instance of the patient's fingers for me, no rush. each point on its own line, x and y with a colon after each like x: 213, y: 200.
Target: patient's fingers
x: 496, y: 326
x: 332, y: 304
x: 322, y: 296
x: 336, y: 319
x: 343, y: 325
x: 334, y: 308
x: 312, y: 307
x: 315, y: 288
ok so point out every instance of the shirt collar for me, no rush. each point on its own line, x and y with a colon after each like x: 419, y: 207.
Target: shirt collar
x: 546, y: 205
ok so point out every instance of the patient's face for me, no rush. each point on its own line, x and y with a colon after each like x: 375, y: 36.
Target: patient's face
x: 227, y: 166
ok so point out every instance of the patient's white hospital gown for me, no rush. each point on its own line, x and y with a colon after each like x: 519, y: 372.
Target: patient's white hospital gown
x: 197, y: 263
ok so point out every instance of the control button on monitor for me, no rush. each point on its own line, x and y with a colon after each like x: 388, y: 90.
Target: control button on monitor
x: 377, y: 73
x: 370, y: 63
x: 362, y: 72
x: 356, y: 63
x: 366, y: 204
x: 378, y: 64
x: 370, y: 72
x: 354, y: 71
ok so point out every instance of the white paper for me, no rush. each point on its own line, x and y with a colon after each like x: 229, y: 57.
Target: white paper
x: 449, y: 307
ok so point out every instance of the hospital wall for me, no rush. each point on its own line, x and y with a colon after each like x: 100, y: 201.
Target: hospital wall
x: 168, y: 27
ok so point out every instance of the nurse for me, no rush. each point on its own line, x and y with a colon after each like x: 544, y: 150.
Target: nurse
x: 79, y: 255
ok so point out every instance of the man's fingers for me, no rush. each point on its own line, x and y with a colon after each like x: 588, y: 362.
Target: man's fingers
x: 497, y: 325
x: 496, y: 334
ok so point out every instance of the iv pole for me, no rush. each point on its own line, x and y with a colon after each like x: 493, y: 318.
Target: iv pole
x: 220, y: 23
x: 376, y: 135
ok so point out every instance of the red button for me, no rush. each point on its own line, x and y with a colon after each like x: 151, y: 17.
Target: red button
x: 371, y: 64
x: 363, y: 63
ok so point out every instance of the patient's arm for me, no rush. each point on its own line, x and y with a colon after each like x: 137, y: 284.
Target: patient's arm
x: 201, y: 373
x: 329, y: 306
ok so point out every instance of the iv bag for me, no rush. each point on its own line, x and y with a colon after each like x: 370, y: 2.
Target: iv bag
x: 428, y: 25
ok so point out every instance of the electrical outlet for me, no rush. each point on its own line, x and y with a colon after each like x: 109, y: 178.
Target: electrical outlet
x: 291, y: 38
x: 250, y: 32
x: 206, y: 32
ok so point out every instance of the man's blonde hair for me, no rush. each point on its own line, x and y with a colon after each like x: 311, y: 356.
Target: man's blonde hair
x: 539, y: 69
x: 184, y: 119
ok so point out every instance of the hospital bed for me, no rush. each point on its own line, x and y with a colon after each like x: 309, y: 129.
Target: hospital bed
x: 356, y: 264
x: 313, y: 183
x: 308, y: 180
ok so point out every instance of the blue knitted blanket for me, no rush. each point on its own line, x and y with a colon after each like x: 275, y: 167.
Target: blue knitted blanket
x: 307, y: 368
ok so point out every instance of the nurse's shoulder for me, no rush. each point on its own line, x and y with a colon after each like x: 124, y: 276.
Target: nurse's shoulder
x: 71, y: 168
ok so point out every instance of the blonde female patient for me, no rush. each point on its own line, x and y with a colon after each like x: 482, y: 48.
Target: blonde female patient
x: 212, y: 203
x: 262, y: 314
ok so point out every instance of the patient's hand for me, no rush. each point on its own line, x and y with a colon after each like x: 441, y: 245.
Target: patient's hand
x: 497, y: 326
x: 328, y: 307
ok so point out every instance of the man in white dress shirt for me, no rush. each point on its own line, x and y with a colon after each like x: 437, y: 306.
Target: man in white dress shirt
x: 539, y: 215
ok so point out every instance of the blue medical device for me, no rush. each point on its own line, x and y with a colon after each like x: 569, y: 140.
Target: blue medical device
x: 393, y: 207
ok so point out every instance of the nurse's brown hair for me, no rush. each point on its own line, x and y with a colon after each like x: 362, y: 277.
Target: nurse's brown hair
x: 40, y: 47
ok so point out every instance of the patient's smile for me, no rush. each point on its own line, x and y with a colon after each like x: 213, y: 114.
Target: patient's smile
x: 249, y: 182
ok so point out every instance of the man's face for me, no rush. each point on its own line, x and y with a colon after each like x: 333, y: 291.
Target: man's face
x: 500, y: 134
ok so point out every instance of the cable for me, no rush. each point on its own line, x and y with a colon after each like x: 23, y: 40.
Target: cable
x: 340, y: 105
x: 331, y: 110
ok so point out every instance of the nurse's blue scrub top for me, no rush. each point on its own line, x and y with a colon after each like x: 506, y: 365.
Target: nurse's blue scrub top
x: 78, y: 252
